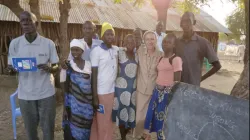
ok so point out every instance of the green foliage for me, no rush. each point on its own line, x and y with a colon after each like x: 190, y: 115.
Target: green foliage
x: 236, y: 23
x: 137, y: 3
x: 182, y: 5
x: 186, y: 5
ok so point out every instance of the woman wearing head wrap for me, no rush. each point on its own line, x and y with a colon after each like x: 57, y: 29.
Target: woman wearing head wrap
x: 76, y: 83
x: 104, y: 71
x: 149, y: 56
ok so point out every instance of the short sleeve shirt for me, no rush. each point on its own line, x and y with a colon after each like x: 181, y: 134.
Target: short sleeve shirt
x: 105, y: 59
x: 166, y: 71
x: 34, y: 85
x: 147, y: 72
x: 193, y: 53
x: 159, y: 40
x: 95, y: 43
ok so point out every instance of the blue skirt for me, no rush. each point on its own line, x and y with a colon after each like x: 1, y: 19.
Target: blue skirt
x: 157, y: 111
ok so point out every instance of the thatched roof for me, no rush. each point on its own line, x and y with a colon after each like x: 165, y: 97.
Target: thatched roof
x: 123, y: 16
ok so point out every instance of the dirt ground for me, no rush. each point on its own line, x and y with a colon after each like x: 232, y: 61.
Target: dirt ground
x: 222, y: 82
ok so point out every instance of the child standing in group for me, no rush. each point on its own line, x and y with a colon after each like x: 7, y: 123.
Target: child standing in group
x: 125, y: 89
x: 169, y: 70
x: 104, y: 71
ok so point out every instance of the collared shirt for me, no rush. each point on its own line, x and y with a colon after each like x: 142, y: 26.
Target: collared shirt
x: 147, y: 72
x: 95, y: 42
x: 34, y: 85
x: 106, y: 60
x: 193, y: 53
x: 159, y: 40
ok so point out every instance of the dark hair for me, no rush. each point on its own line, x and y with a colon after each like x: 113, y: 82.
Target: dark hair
x: 127, y: 36
x: 32, y: 16
x: 137, y: 29
x: 191, y: 15
x: 90, y: 22
x: 159, y: 22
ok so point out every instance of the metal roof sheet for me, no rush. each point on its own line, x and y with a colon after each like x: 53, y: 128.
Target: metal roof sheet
x: 122, y: 15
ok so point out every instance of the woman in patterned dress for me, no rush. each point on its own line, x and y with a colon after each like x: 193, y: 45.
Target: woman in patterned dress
x: 76, y: 83
x: 124, y: 102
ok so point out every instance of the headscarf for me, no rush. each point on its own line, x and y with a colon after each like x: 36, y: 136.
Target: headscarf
x: 106, y: 26
x: 81, y: 45
x: 76, y: 43
x: 150, y: 32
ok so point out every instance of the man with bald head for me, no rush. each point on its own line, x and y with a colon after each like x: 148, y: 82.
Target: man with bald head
x: 193, y: 48
x: 36, y: 92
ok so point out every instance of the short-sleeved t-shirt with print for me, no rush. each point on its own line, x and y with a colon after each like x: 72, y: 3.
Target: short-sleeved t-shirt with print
x: 105, y: 59
x: 34, y: 85
x: 193, y: 53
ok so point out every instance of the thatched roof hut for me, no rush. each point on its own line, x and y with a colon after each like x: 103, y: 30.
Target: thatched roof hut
x: 124, y: 17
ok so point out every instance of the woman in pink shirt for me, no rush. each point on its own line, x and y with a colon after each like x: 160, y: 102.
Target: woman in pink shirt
x: 169, y: 70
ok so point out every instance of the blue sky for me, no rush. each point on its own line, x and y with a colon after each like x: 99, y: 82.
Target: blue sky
x: 220, y: 9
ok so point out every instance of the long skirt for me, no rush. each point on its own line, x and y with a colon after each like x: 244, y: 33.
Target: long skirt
x: 102, y: 126
x: 156, y: 113
x: 142, y: 101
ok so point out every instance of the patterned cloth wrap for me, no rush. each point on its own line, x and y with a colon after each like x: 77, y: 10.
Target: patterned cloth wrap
x: 78, y: 104
x: 125, y: 92
x: 157, y: 110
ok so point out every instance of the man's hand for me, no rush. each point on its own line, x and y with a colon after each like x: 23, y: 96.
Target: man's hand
x: 64, y: 64
x: 44, y: 67
x: 11, y: 70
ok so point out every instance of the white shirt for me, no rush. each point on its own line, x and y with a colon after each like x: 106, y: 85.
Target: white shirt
x: 86, y: 69
x: 106, y: 60
x: 159, y: 40
x: 95, y: 43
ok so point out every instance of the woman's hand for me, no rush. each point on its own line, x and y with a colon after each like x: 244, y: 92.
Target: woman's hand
x: 65, y: 114
x: 64, y: 64
x: 96, y: 103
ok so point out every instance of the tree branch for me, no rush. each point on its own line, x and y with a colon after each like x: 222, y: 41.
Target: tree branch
x: 13, y: 5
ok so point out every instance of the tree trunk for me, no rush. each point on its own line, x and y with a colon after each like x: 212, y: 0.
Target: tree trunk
x: 35, y: 9
x: 13, y: 5
x: 63, y: 37
x: 162, y: 16
x: 241, y: 88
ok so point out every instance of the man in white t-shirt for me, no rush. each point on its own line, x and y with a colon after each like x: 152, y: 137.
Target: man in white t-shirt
x: 160, y: 34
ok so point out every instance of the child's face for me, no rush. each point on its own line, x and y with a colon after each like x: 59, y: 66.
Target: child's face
x: 168, y: 44
x: 76, y: 52
x: 129, y: 43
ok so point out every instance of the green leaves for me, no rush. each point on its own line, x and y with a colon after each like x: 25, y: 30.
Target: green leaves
x: 136, y: 3
x: 236, y: 23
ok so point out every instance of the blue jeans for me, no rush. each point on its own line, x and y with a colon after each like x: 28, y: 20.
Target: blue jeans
x: 35, y: 112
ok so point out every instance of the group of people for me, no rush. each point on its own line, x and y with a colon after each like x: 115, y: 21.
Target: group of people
x: 129, y: 86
